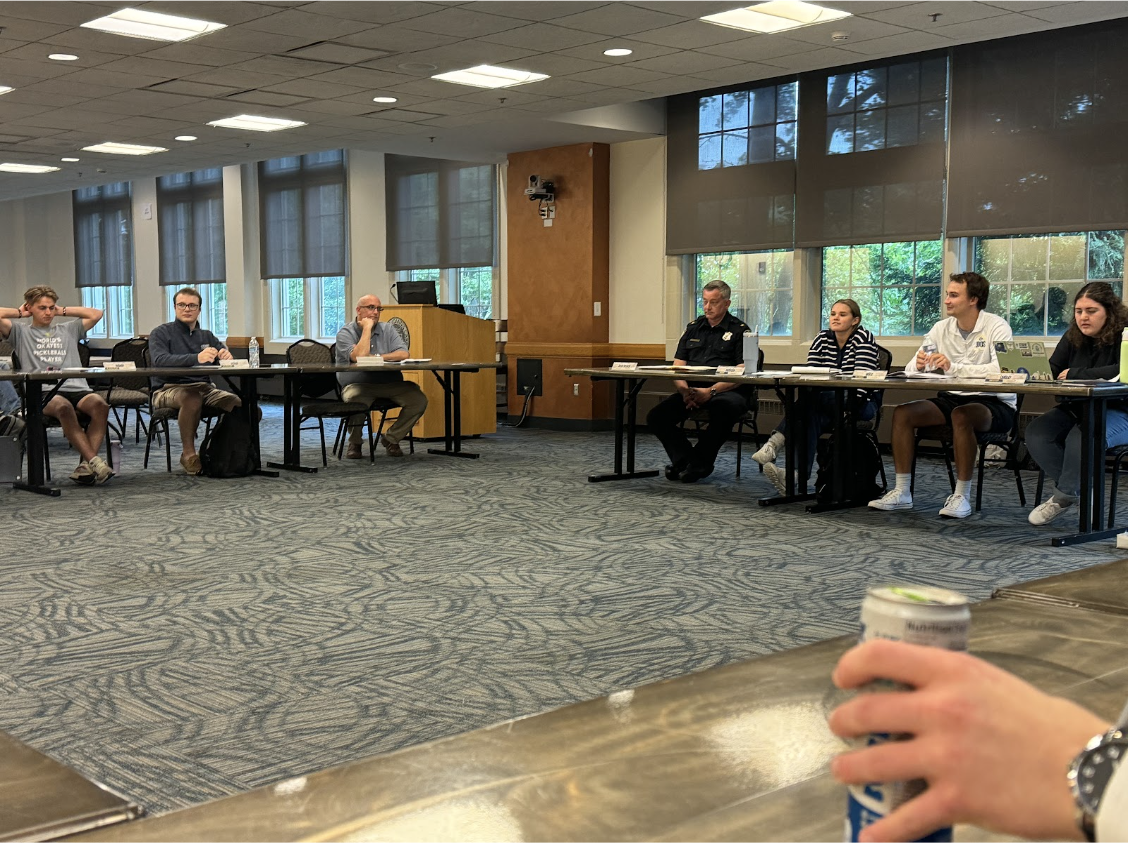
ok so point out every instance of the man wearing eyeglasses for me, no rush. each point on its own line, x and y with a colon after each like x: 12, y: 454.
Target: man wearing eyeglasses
x: 368, y: 336
x: 182, y: 343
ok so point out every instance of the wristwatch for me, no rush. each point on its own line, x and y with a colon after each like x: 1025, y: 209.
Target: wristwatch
x: 1090, y: 773
x: 712, y: 392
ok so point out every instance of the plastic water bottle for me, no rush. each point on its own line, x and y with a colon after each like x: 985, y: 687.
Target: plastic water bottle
x: 751, y: 351
x: 1123, y: 376
x: 929, y: 348
x: 253, y: 353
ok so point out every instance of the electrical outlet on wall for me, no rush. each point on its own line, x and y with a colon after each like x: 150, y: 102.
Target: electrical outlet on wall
x: 575, y: 389
x: 598, y: 308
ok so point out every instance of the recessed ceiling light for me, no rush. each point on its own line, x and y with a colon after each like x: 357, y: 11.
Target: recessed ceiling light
x: 115, y: 148
x: 256, y: 124
x: 70, y: 159
x: 62, y: 57
x: 487, y: 76
x: 385, y: 100
x: 185, y: 138
x: 775, y: 16
x: 618, y: 51
x: 27, y: 168
x: 418, y: 67
x: 4, y: 89
x: 138, y: 23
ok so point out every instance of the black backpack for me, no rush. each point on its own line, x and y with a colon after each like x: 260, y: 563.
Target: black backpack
x: 227, y: 451
x: 863, y: 469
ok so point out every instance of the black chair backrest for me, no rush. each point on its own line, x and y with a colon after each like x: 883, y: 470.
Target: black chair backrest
x: 315, y: 384
x: 884, y: 358
x: 84, y: 353
x: 135, y: 349
x: 6, y: 348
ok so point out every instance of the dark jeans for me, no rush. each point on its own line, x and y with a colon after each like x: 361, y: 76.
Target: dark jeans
x: 665, y: 419
x: 822, y: 421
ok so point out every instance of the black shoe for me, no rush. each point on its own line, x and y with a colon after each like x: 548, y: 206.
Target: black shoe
x: 674, y: 470
x: 693, y: 474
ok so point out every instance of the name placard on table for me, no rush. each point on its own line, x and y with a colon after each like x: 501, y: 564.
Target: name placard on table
x: 119, y: 366
x: 624, y: 365
x: 1008, y: 377
x: 731, y: 370
x: 370, y: 360
x: 234, y: 363
x: 870, y: 374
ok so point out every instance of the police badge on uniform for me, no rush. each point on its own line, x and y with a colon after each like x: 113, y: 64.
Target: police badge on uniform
x: 727, y: 335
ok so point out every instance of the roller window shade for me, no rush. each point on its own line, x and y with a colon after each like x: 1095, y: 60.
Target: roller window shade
x: 439, y: 213
x: 190, y: 228
x: 1038, y: 128
x: 871, y: 153
x: 730, y: 174
x: 303, y: 216
x: 103, y: 236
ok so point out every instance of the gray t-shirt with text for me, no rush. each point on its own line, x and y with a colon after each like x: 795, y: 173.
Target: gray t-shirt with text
x: 51, y: 348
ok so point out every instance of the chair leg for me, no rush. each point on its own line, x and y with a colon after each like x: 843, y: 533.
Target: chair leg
x: 1021, y: 489
x: 1117, y: 466
x: 948, y: 465
x: 168, y: 447
x: 148, y: 443
x: 321, y: 430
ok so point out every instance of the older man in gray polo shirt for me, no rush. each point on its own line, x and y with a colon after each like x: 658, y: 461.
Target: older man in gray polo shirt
x: 367, y: 336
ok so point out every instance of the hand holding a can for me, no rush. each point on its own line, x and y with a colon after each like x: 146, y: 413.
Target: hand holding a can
x: 993, y: 749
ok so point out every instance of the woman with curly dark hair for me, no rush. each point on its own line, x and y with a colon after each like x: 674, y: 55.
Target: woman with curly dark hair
x: 1090, y: 349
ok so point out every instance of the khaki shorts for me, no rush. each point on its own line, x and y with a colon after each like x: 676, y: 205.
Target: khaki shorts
x: 172, y: 395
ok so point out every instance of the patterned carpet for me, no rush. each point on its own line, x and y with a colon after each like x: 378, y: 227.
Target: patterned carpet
x: 181, y: 639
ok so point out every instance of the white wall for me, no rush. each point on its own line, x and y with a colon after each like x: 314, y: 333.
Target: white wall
x: 636, y: 309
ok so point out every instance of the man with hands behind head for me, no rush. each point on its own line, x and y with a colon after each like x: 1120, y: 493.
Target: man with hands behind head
x: 364, y: 337
x: 45, y: 344
x: 183, y: 343
x: 995, y: 751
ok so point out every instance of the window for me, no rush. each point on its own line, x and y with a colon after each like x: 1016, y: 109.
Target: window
x: 117, y: 305
x: 304, y: 221
x: 472, y: 287
x: 213, y: 310
x: 307, y: 307
x: 103, y: 251
x: 190, y: 226
x: 747, y: 127
x: 896, y: 285
x: 1035, y: 277
x: 761, y: 285
x: 897, y: 105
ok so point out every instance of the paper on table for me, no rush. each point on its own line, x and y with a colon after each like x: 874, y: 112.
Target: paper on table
x: 670, y: 366
x: 815, y: 370
x: 415, y: 360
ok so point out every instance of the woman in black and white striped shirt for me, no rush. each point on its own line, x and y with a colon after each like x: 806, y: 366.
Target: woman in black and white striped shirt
x: 845, y: 346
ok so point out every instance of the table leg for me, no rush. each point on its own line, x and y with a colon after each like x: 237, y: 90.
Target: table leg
x: 626, y: 408
x: 36, y: 443
x: 249, y: 384
x: 794, y: 447
x: 451, y: 383
x: 1090, y: 503
x: 291, y: 428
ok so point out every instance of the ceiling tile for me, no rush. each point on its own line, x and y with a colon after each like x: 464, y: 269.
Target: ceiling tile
x: 682, y: 84
x: 145, y: 66
x: 284, y: 66
x: 192, y: 89
x: 197, y: 54
x: 71, y: 14
x: 119, y: 81
x: 919, y: 15
x: 15, y: 111
x: 91, y: 40
x: 398, y: 39
x: 616, y: 77
x: 859, y: 29
x: 513, y: 97
x: 382, y: 12
x: 618, y: 19
x: 331, y: 51
x: 641, y: 50
x: 27, y: 30
x: 686, y: 61
x: 333, y: 107
x: 1072, y: 13
x: 817, y: 59
x: 364, y: 77
x: 74, y: 84
x: 71, y: 118
x: 402, y: 115
x: 565, y: 87
x: 906, y: 42
x: 311, y: 88
x: 990, y: 28
x: 737, y: 74
x: 31, y: 60
x: 267, y: 98
x: 760, y: 48
x: 461, y: 106
x: 294, y: 22
x: 555, y: 64
x: 691, y: 35
x: 240, y: 80
x: 211, y: 10
x: 543, y: 36
x: 455, y: 56
x: 544, y: 10
x: 253, y: 43
x: 1028, y: 6
x: 462, y: 22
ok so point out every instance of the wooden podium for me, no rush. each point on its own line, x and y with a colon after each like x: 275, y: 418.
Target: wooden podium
x: 451, y: 337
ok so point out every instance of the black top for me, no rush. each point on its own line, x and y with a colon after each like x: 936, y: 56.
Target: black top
x: 705, y: 345
x: 175, y: 344
x: 1088, y: 362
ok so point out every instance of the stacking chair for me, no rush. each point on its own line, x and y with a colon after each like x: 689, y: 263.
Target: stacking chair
x: 870, y: 427
x: 319, y: 396
x: 1010, y: 441
x: 130, y: 393
x: 1118, y: 454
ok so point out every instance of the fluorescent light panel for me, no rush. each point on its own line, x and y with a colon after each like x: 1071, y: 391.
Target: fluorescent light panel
x: 138, y: 23
x: 27, y: 168
x: 256, y: 124
x: 775, y: 16
x: 115, y: 148
x: 488, y: 76
x: 4, y: 89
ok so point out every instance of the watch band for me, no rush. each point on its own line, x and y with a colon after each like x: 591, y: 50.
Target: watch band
x: 1092, y: 770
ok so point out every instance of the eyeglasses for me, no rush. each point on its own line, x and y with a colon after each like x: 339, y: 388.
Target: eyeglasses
x: 187, y: 306
x: 376, y: 308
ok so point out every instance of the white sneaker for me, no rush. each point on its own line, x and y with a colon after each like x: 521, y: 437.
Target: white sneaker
x: 101, y: 469
x: 895, y: 499
x: 1046, y: 512
x: 956, y: 507
x: 766, y: 455
x: 777, y: 476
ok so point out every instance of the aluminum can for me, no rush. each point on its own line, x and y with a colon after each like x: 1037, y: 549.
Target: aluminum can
x: 920, y: 615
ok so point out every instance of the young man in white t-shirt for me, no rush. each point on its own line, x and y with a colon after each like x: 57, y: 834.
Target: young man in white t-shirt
x: 965, y: 347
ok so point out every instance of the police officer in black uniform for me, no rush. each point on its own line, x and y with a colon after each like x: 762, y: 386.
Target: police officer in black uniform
x: 716, y: 339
